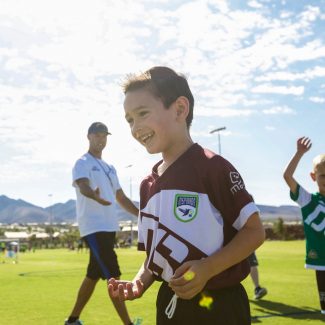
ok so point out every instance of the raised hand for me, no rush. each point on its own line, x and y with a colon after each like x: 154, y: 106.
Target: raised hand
x: 303, y: 145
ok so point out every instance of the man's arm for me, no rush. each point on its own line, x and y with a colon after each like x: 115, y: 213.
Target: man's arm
x: 126, y: 203
x: 86, y: 190
x: 303, y: 145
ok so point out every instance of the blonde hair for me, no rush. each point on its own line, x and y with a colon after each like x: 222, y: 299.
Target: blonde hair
x: 318, y: 161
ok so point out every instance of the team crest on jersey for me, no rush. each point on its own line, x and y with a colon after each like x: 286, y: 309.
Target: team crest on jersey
x: 186, y: 206
x: 312, y: 254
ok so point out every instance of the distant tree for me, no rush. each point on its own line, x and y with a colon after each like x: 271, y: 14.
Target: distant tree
x: 70, y: 237
x: 280, y: 229
x: 49, y: 230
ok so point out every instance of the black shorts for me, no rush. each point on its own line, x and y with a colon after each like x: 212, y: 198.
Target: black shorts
x: 252, y: 260
x: 102, y: 259
x: 229, y: 306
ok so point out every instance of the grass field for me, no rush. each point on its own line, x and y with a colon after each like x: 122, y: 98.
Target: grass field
x: 41, y: 288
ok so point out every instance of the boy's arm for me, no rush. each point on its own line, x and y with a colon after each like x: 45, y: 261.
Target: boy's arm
x: 303, y: 145
x: 130, y: 290
x: 145, y: 276
x: 197, y: 273
x: 126, y: 203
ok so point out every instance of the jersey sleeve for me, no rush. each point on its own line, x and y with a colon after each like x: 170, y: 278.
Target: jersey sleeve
x: 230, y: 195
x: 301, y: 196
x: 79, y: 171
x: 141, y: 246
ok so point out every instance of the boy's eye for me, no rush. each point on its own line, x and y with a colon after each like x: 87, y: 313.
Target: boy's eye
x: 142, y: 113
x: 129, y: 120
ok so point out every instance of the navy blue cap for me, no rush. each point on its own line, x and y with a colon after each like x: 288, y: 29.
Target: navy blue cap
x: 98, y: 127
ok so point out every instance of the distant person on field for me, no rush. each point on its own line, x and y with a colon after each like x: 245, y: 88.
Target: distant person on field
x: 97, y: 188
x: 197, y: 221
x: 313, y: 212
x: 80, y: 245
x: 259, y: 292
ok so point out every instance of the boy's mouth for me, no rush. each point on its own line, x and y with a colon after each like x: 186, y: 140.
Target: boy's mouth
x: 144, y: 139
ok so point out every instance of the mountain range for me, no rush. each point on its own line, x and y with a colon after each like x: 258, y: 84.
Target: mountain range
x: 20, y: 211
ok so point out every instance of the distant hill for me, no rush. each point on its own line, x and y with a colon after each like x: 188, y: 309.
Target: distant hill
x: 19, y: 211
x: 286, y: 212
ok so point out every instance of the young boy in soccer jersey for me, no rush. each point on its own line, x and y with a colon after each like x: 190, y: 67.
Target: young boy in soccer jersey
x: 197, y: 221
x: 313, y: 212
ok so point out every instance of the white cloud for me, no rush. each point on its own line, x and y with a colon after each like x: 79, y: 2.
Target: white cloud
x: 307, y: 75
x: 310, y: 14
x: 61, y: 64
x: 16, y: 64
x: 278, y: 110
x: 280, y: 75
x: 223, y: 112
x: 254, y: 4
x: 318, y: 100
x: 270, y: 89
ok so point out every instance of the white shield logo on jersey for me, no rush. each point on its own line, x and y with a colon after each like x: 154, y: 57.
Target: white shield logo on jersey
x: 186, y: 206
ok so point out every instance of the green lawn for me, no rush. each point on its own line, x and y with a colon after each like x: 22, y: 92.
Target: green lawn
x: 41, y: 288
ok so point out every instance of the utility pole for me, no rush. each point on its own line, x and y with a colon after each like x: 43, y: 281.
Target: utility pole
x: 219, y: 140
x: 131, y: 225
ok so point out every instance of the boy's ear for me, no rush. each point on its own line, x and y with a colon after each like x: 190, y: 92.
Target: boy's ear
x: 182, y: 107
x: 313, y: 176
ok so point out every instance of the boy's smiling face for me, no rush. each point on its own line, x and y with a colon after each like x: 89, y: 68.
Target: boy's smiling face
x: 153, y: 125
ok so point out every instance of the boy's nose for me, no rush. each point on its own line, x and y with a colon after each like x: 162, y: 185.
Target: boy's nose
x: 136, y: 130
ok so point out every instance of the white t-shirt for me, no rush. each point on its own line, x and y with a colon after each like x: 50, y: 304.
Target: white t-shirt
x: 92, y: 216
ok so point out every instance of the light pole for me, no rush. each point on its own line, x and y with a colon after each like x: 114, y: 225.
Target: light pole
x: 51, y: 208
x: 218, y: 131
x: 51, y: 218
x: 129, y: 166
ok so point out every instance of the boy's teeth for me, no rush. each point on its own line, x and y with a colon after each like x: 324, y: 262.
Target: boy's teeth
x: 146, y: 137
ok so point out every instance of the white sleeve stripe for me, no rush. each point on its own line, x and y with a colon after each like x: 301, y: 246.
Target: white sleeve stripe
x: 244, y: 214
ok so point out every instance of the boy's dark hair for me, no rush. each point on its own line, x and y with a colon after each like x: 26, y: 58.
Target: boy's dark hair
x: 165, y: 84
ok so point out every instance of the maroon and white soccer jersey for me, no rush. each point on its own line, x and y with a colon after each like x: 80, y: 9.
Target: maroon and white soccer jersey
x: 195, y: 208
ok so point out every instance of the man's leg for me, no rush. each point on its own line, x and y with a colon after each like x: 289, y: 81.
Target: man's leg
x: 122, y: 310
x: 259, y: 292
x: 105, y: 265
x: 85, y: 292
x: 254, y: 276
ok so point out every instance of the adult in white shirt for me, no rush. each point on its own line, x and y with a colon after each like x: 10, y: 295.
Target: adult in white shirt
x: 98, y: 189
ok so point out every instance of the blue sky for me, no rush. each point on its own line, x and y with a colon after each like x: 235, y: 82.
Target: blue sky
x: 255, y: 67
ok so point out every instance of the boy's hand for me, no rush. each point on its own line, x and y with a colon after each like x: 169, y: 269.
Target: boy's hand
x: 124, y: 290
x: 303, y: 145
x: 189, y: 279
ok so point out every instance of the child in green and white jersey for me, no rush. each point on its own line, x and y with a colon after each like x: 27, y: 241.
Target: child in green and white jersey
x: 313, y: 212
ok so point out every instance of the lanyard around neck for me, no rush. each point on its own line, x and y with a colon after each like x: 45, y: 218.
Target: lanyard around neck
x: 103, y: 169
